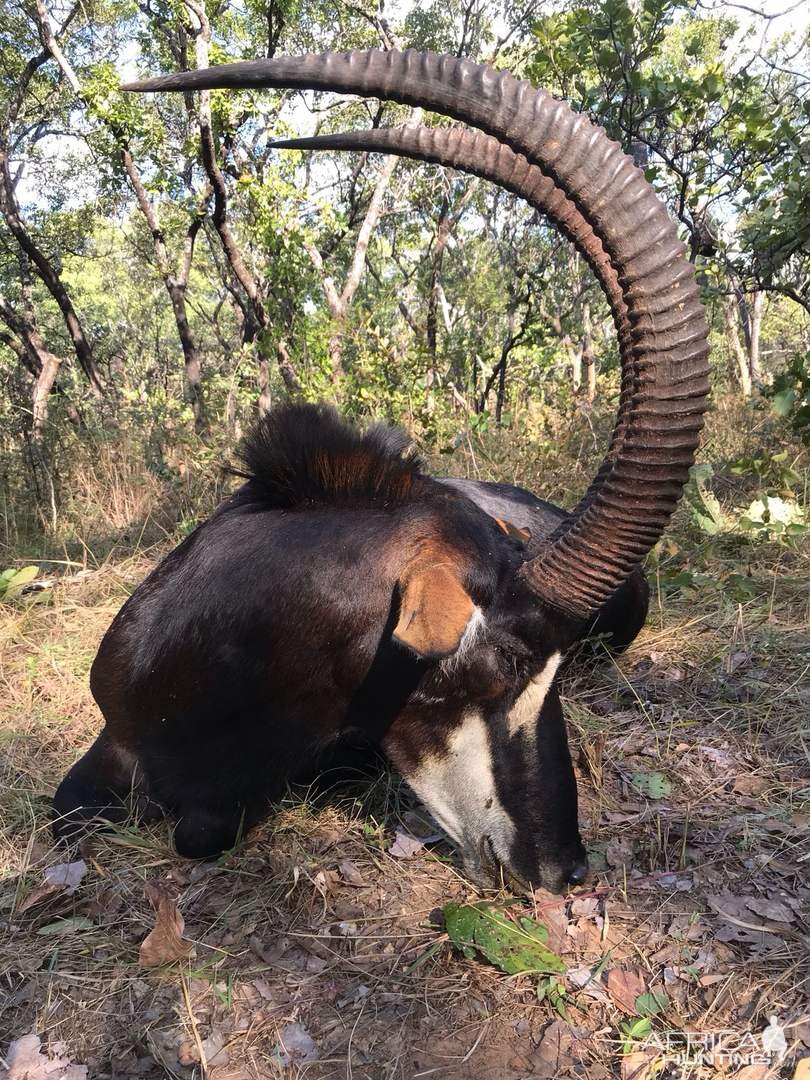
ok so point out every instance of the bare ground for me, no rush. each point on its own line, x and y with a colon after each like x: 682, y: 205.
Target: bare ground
x: 319, y: 953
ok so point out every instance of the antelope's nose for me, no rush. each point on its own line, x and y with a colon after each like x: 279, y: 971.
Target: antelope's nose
x: 578, y: 873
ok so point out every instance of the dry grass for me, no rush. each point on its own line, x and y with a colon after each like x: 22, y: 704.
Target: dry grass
x: 312, y: 922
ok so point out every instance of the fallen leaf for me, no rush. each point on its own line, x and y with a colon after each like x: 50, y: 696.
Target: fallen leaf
x: 585, y: 908
x: 554, y: 918
x: 67, y: 876
x: 62, y: 878
x: 480, y: 928
x: 405, y: 846
x: 652, y: 1003
x: 586, y: 980
x: 164, y: 944
x: 770, y: 909
x: 551, y: 1058
x: 638, y: 1065
x: 296, y: 1045
x: 350, y: 873
x: 654, y: 785
x: 750, y: 785
x: 624, y: 987
x: 63, y: 927
x: 25, y: 1061
x: 753, y: 1072
x: 802, y: 1070
x: 620, y: 851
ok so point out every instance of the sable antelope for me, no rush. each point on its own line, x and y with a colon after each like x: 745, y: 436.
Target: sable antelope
x: 342, y: 590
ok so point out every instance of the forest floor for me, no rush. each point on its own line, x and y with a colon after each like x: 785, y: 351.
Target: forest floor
x: 318, y: 949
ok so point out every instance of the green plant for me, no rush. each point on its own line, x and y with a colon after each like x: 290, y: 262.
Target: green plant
x: 13, y: 581
x: 790, y: 395
x: 552, y: 990
x: 768, y: 517
x: 516, y: 948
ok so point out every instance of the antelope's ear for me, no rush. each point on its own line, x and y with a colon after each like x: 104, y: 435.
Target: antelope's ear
x: 515, y: 531
x: 434, y: 611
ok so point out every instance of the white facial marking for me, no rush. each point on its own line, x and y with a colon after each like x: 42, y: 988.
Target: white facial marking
x: 459, y: 788
x: 527, y: 707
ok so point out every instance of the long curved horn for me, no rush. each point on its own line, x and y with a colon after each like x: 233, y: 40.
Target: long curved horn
x: 629, y: 511
x: 473, y: 152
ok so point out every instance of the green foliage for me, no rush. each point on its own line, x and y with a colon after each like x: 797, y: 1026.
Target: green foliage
x: 515, y: 948
x: 723, y: 139
x: 767, y: 517
x: 13, y: 581
x: 654, y: 785
x: 790, y: 395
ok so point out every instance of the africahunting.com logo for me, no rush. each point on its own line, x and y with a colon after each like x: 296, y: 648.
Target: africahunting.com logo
x: 720, y: 1048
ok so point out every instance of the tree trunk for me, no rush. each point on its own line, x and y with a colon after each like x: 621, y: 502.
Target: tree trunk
x: 48, y: 273
x: 248, y: 281
x: 736, y: 351
x: 339, y: 303
x: 575, y: 352
x: 175, y: 285
x: 443, y: 226
x: 588, y: 358
x: 755, y: 322
x: 38, y: 359
x: 265, y: 393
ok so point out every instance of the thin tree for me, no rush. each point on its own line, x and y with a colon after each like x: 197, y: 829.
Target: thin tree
x: 174, y: 279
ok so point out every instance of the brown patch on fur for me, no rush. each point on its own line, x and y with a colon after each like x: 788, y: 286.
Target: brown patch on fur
x: 362, y: 469
x: 434, y: 608
x: 303, y: 455
x: 524, y: 535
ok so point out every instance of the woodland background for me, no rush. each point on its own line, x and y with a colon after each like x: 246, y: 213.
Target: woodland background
x: 164, y: 275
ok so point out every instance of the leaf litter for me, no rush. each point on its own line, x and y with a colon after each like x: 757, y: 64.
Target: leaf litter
x: 730, y: 827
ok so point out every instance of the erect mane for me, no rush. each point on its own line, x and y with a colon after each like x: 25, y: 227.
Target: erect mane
x: 307, y: 454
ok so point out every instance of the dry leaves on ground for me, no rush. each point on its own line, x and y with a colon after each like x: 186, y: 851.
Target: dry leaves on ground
x: 62, y: 878
x: 164, y: 944
x: 25, y: 1061
x: 624, y: 987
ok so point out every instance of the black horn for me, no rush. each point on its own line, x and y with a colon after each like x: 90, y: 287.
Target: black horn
x: 624, y: 512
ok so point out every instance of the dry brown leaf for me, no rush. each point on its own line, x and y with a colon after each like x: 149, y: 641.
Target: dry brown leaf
x: 551, y: 913
x: 24, y: 1061
x: 638, y: 1066
x: 551, y: 1058
x: 752, y: 1072
x: 405, y: 846
x: 296, y: 1045
x: 775, y: 910
x: 585, y: 907
x: 350, y: 873
x: 624, y: 986
x: 164, y: 944
x: 620, y: 851
x: 62, y: 878
x: 750, y: 785
x: 802, y: 1070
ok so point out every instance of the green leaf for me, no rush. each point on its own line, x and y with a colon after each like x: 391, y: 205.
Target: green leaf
x: 513, y: 948
x: 651, y: 1004
x: 783, y: 402
x: 21, y: 578
x: 702, y: 472
x: 654, y: 785
x: 638, y: 1028
x: 707, y: 524
x: 63, y: 927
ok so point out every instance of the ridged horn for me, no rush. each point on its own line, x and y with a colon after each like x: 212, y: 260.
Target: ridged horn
x: 472, y: 151
x: 628, y: 510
